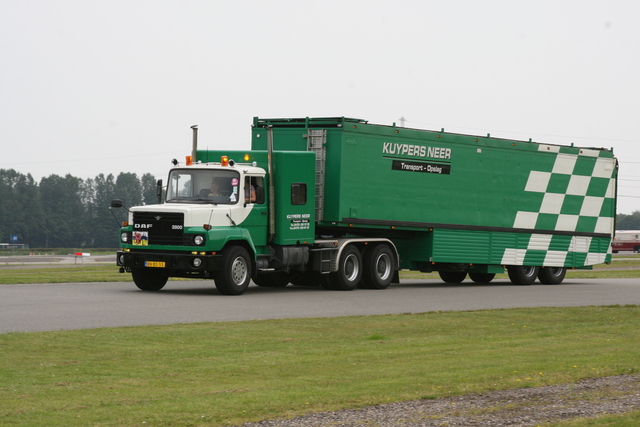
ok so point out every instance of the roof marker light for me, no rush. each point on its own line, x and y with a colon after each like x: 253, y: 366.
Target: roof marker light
x: 224, y: 161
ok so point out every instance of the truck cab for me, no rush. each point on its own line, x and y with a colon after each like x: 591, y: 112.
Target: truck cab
x: 217, y: 222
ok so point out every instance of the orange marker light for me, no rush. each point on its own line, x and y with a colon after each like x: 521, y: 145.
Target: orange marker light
x: 224, y: 161
x: 189, y: 161
x: 247, y: 157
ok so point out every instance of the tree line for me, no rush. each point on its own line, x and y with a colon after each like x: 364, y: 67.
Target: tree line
x: 628, y: 222
x: 68, y: 212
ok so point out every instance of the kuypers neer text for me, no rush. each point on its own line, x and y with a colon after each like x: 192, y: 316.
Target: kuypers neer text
x: 416, y: 150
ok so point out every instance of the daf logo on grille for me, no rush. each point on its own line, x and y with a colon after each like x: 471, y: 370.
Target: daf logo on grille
x: 158, y: 218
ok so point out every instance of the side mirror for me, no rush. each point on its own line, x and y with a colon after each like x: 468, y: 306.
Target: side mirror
x: 116, y: 203
x: 159, y: 190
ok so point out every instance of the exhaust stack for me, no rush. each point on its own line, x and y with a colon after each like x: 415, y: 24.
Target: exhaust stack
x: 272, y: 195
x: 195, y: 143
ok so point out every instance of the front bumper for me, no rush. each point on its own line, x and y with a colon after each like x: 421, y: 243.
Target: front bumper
x: 174, y: 263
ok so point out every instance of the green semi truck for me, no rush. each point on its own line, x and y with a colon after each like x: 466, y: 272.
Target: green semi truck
x: 341, y: 203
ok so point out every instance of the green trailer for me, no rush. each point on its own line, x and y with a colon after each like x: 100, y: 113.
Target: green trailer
x: 458, y: 204
x: 342, y: 203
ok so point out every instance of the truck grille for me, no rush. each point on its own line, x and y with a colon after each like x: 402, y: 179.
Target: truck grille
x: 163, y: 228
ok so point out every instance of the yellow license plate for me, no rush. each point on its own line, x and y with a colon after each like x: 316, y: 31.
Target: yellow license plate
x: 154, y: 264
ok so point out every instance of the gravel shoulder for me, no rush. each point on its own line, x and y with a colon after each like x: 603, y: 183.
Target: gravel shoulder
x: 521, y: 407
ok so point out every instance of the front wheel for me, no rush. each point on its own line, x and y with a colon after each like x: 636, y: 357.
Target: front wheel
x: 522, y: 274
x: 235, y: 272
x: 552, y: 275
x: 149, y: 280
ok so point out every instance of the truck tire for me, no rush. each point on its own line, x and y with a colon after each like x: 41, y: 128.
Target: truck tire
x: 272, y: 280
x: 552, y: 275
x: 235, y: 271
x: 149, y: 280
x: 349, y: 271
x: 522, y: 274
x: 482, y: 277
x: 377, y: 271
x: 452, y: 276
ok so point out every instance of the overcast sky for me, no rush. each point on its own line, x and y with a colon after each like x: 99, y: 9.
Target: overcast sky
x: 89, y: 87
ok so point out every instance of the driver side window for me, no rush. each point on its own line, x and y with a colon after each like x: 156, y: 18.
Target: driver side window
x: 254, y: 189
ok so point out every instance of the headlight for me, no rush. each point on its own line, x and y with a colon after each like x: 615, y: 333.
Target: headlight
x: 197, y: 262
x: 124, y: 237
x: 198, y: 240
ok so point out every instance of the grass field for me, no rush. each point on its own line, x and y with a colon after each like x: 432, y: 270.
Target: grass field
x: 228, y: 373
x: 217, y: 374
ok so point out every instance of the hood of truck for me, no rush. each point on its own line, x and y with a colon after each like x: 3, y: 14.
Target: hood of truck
x: 198, y: 215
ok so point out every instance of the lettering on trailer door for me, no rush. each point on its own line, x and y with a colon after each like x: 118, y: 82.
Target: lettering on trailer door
x: 407, y: 158
x: 402, y: 165
x: 299, y: 221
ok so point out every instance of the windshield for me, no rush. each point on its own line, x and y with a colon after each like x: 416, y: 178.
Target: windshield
x: 206, y: 186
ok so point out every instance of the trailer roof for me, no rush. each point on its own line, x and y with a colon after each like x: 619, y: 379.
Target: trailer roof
x: 306, y: 122
x: 363, y: 126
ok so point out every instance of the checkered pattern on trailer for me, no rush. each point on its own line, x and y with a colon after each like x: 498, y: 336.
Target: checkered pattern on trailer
x: 578, y: 195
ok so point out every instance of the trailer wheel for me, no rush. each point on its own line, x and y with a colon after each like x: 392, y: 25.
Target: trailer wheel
x: 149, y: 280
x: 235, y: 273
x: 452, y: 276
x: 552, y: 275
x: 349, y: 271
x: 482, y: 277
x: 522, y: 274
x: 272, y: 280
x: 378, y: 268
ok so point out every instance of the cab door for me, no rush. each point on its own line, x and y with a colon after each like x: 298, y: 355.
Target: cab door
x: 294, y: 197
x: 256, y: 206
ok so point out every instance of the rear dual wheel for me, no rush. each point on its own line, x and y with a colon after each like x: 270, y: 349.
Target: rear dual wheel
x: 552, y: 275
x: 459, y: 276
x: 349, y: 271
x: 526, y: 275
x: 523, y: 274
x: 482, y: 277
x: 452, y: 276
x: 378, y: 267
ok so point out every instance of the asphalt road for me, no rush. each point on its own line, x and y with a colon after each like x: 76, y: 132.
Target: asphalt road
x: 47, y: 307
